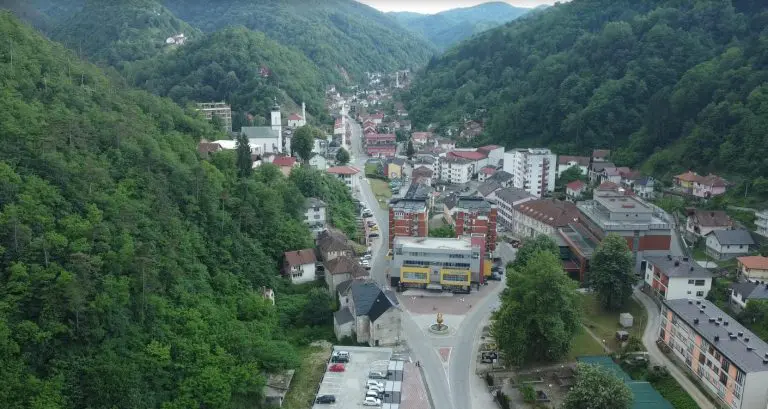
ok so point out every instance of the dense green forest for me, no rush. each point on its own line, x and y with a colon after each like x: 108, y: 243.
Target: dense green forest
x: 114, y: 32
x: 226, y: 66
x: 449, y: 27
x: 130, y: 269
x: 670, y: 84
x: 342, y: 37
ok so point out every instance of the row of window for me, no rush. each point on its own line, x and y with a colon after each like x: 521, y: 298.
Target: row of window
x: 455, y: 277
x: 415, y: 276
x: 421, y: 263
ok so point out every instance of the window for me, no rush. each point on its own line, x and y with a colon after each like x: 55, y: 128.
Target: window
x: 725, y: 365
x: 700, y: 283
x: 701, y: 358
x: 690, y: 282
x: 317, y: 216
x: 699, y: 293
x: 740, y: 378
x: 689, y: 292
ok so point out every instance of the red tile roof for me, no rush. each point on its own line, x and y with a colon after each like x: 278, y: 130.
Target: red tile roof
x: 377, y: 115
x: 343, y: 170
x: 284, y: 161
x: 576, y: 185
x: 294, y: 117
x: 581, y: 160
x: 421, y: 135
x: 688, y: 176
x: 488, y: 148
x: 380, y: 137
x: 470, y: 155
x: 550, y: 212
x: 300, y: 257
x: 608, y: 186
x: 600, y: 153
x: 488, y: 170
x: 756, y: 262
x: 712, y: 180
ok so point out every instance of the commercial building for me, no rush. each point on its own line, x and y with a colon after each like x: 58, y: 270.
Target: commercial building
x: 534, y: 170
x: 476, y: 217
x: 438, y: 263
x: 726, y: 358
x: 221, y: 110
x: 543, y: 216
x: 646, y: 227
x: 669, y: 278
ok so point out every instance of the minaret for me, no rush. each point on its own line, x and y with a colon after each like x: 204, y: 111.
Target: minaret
x: 303, y: 113
x: 277, y: 124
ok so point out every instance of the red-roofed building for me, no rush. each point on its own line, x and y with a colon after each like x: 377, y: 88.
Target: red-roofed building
x: 369, y: 129
x: 607, y: 187
x: 377, y: 118
x: 469, y: 155
x: 295, y: 120
x: 421, y: 138
x: 575, y: 189
x: 299, y: 265
x: 347, y: 174
x: 285, y: 163
x: 485, y: 172
x: 380, y: 139
x: 382, y: 150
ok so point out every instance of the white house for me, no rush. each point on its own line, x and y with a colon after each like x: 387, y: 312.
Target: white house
x: 506, y: 199
x: 725, y: 244
x: 494, y: 153
x: 670, y: 278
x: 295, y: 120
x: 300, y: 265
x: 456, y: 170
x: 350, y: 175
x: 367, y: 314
x: 534, y: 170
x: 565, y: 162
x: 753, y: 267
x: 318, y: 162
x: 743, y: 292
x: 315, y: 215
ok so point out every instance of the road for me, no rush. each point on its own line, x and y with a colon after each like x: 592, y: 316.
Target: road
x: 649, y: 340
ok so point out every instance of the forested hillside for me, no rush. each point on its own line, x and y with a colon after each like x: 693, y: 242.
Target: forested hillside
x: 449, y: 27
x: 130, y: 270
x: 341, y: 36
x: 114, y: 32
x: 669, y: 83
x: 227, y: 66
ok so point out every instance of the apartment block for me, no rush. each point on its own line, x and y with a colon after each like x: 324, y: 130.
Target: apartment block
x: 506, y: 199
x: 761, y: 221
x: 476, y: 216
x: 534, y: 170
x: 726, y: 358
x: 438, y: 263
x: 408, y: 218
x: 646, y: 227
x: 456, y: 170
x: 222, y: 110
x: 670, y: 278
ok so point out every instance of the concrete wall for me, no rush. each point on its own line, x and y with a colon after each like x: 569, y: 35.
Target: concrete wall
x: 308, y: 273
x: 362, y: 328
x: 386, y: 329
x: 333, y: 280
x: 344, y: 330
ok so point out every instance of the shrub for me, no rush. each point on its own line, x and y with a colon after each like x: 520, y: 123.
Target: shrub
x: 529, y: 395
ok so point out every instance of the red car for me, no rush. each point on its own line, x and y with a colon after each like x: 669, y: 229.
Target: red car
x: 336, y: 368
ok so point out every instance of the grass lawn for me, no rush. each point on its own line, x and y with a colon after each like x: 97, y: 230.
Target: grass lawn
x: 370, y: 169
x: 583, y: 344
x: 307, y: 378
x: 381, y: 191
x: 605, y: 324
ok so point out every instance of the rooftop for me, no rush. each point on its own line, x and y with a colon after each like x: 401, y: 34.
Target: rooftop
x: 585, y: 244
x: 550, y: 212
x: 470, y: 155
x: 575, y: 185
x: 580, y: 160
x: 600, y: 153
x: 418, y: 191
x: 738, y: 237
x: 457, y: 160
x: 623, y: 204
x: 488, y: 187
x: 717, y: 218
x: 488, y: 148
x: 488, y: 170
x: 315, y: 202
x: 474, y: 204
x: 422, y: 171
x: 300, y: 257
x: 755, y: 262
x: 408, y: 205
x: 511, y: 195
x: 655, y: 219
x: 715, y: 327
x: 284, y: 161
x: 430, y: 243
x: 501, y: 176
x: 679, y: 266
x: 260, y: 132
x: 751, y: 290
x: 343, y: 170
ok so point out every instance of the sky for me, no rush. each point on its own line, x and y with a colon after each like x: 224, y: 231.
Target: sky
x: 436, y: 6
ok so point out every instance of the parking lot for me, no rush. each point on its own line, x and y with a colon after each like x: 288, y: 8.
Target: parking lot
x: 349, y: 387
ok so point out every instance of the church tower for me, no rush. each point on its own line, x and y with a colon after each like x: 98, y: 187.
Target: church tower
x: 277, y: 124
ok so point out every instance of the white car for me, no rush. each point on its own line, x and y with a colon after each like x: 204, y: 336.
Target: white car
x: 369, y: 401
x: 372, y: 393
x: 376, y: 388
x: 375, y: 383
x: 366, y: 257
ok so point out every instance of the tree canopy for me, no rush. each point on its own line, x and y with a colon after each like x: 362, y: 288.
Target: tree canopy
x: 611, y: 273
x: 666, y: 84
x: 342, y: 156
x: 533, y: 246
x: 595, y: 388
x: 303, y: 141
x: 539, y: 313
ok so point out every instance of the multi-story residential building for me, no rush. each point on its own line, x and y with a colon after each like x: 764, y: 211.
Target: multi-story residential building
x: 670, y: 278
x: 476, y: 217
x: 299, y: 265
x: 456, y: 170
x: 427, y: 160
x: 726, y: 358
x: 478, y: 159
x: 534, y: 170
x: 408, y: 218
x: 506, y: 199
x: 494, y: 153
x: 438, y: 263
x: 700, y: 186
x: 315, y: 215
x: 565, y: 162
x: 646, y: 227
x: 702, y: 222
x: 543, y: 216
x: 753, y: 267
x: 380, y: 139
x: 222, y: 110
x: 347, y: 174
x: 761, y: 221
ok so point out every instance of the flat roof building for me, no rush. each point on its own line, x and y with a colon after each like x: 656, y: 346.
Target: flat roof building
x: 476, y: 216
x: 437, y: 263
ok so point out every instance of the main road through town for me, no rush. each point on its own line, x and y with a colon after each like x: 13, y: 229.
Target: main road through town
x: 451, y: 386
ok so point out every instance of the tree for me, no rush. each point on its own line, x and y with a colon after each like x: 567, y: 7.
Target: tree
x: 535, y: 245
x: 318, y: 308
x: 443, y: 231
x: 410, y: 150
x: 342, y: 156
x: 569, y: 175
x: 539, y: 313
x: 244, y: 160
x: 595, y: 388
x: 303, y: 142
x: 610, y: 274
x: 755, y: 316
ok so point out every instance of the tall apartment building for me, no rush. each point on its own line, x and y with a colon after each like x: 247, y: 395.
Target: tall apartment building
x: 646, y: 227
x: 726, y: 358
x: 761, y: 222
x: 409, y: 216
x: 456, y: 170
x: 438, y: 263
x: 476, y: 216
x: 534, y: 170
x: 219, y: 109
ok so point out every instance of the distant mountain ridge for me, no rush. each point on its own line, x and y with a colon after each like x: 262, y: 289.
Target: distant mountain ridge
x: 450, y: 27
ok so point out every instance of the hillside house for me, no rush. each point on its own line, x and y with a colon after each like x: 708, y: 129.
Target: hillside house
x: 753, y: 267
x: 574, y: 190
x: 332, y: 244
x: 341, y: 269
x: 299, y: 266
x: 367, y: 314
x: 565, y: 162
x: 702, y: 222
x: 726, y: 244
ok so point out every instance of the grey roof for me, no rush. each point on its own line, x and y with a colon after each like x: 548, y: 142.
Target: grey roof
x: 383, y: 302
x: 397, y: 161
x: 451, y: 201
x: 643, y: 181
x: 501, y: 176
x: 512, y: 195
x: 679, y: 267
x: 343, y: 286
x: 315, y: 202
x: 425, y: 158
x: 260, y: 132
x: 369, y: 299
x: 751, y: 290
x: 474, y: 204
x: 735, y: 350
x: 418, y: 191
x: 733, y: 237
x: 343, y: 316
x: 488, y: 187
x: 599, y: 166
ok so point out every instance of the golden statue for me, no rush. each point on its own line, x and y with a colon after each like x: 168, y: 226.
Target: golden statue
x: 439, y: 318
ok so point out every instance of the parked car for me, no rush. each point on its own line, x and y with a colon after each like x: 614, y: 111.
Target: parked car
x: 376, y: 388
x: 371, y: 223
x: 326, y: 399
x: 377, y: 375
x: 373, y: 235
x: 373, y: 382
x: 336, y: 368
x: 372, y: 394
x: 374, y: 228
x: 370, y: 401
x: 366, y: 257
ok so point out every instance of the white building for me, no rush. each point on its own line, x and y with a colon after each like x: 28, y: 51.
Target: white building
x: 744, y: 292
x: 725, y: 244
x: 495, y: 154
x: 266, y: 139
x: 456, y: 170
x: 318, y: 162
x: 753, y: 267
x: 670, y: 278
x: 506, y: 199
x: 350, y: 175
x: 565, y: 162
x: 299, y: 266
x: 315, y: 215
x: 762, y: 223
x: 295, y: 120
x: 534, y: 170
